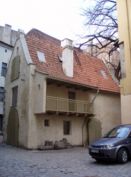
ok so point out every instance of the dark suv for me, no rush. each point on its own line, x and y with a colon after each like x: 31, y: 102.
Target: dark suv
x: 116, y: 145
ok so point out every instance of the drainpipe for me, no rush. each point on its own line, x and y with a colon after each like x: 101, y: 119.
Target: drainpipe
x: 86, y: 121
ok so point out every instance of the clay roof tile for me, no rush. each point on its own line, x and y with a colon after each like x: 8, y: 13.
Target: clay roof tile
x: 88, y: 70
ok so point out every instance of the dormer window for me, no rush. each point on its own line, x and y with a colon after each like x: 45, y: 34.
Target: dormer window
x: 41, y: 56
x: 103, y: 73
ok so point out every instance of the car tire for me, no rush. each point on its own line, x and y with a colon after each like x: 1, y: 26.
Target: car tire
x: 122, y: 156
x: 98, y: 160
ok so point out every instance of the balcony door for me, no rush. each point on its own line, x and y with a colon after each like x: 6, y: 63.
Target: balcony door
x: 72, y: 102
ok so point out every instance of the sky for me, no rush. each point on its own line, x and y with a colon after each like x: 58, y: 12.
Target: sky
x: 58, y: 18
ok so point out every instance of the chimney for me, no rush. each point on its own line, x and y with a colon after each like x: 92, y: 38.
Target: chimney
x: 6, y: 36
x: 67, y: 57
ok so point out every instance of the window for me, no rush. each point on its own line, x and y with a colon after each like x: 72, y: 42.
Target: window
x: 67, y: 127
x: 46, y: 123
x: 120, y: 132
x: 4, y: 69
x: 14, y: 96
x: 2, y: 94
x: 103, y: 73
x: 71, y: 95
x: 72, y: 103
x: 41, y: 56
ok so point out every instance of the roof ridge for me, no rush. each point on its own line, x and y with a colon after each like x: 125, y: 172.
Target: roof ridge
x: 34, y: 30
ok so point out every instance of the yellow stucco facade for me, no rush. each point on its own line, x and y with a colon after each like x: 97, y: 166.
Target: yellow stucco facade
x: 124, y: 28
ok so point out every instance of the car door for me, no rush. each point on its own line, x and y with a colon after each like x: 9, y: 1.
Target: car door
x: 128, y: 142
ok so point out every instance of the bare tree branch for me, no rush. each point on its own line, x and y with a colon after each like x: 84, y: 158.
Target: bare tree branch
x: 102, y: 20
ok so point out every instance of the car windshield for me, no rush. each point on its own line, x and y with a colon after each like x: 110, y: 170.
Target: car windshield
x: 121, y: 132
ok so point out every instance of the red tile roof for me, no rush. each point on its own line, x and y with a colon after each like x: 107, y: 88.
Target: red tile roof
x: 87, y: 69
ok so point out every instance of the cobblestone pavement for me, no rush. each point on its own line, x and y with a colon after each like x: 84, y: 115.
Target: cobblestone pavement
x: 75, y: 162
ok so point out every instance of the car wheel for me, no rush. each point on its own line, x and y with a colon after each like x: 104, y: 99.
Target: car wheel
x: 122, y: 156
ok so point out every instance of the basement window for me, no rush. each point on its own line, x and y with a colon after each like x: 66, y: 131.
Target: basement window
x: 67, y: 127
x: 41, y: 56
x: 46, y: 123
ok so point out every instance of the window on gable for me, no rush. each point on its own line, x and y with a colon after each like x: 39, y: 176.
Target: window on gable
x: 67, y: 127
x: 14, y: 96
x: 4, y: 69
x: 2, y: 94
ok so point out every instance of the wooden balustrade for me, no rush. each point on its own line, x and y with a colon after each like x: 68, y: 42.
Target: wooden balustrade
x: 67, y: 105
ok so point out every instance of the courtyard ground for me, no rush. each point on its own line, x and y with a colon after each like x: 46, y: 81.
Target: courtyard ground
x: 75, y: 162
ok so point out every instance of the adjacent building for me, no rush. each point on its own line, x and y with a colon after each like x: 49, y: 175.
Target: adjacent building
x: 7, y: 41
x: 56, y: 91
x: 124, y: 24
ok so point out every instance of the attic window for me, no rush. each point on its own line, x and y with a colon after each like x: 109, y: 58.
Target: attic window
x: 103, y: 73
x: 41, y: 56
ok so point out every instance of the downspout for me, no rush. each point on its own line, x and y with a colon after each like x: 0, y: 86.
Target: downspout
x: 86, y: 121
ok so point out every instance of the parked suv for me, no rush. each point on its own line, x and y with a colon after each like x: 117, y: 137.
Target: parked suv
x: 116, y: 145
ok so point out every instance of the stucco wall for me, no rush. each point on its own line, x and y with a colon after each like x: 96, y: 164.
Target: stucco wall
x: 38, y: 134
x: 39, y: 93
x: 23, y: 93
x: 106, y: 108
x: 124, y: 29
x: 126, y: 109
x: 55, y: 130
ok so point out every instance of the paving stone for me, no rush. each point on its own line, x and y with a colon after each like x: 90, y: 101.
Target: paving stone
x: 75, y: 162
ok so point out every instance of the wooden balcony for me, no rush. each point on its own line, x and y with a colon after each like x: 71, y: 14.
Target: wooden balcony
x: 67, y: 106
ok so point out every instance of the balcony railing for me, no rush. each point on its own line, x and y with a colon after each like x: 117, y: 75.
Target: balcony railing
x: 67, y: 105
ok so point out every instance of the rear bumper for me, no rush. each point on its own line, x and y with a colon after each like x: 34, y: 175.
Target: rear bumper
x: 103, y: 153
